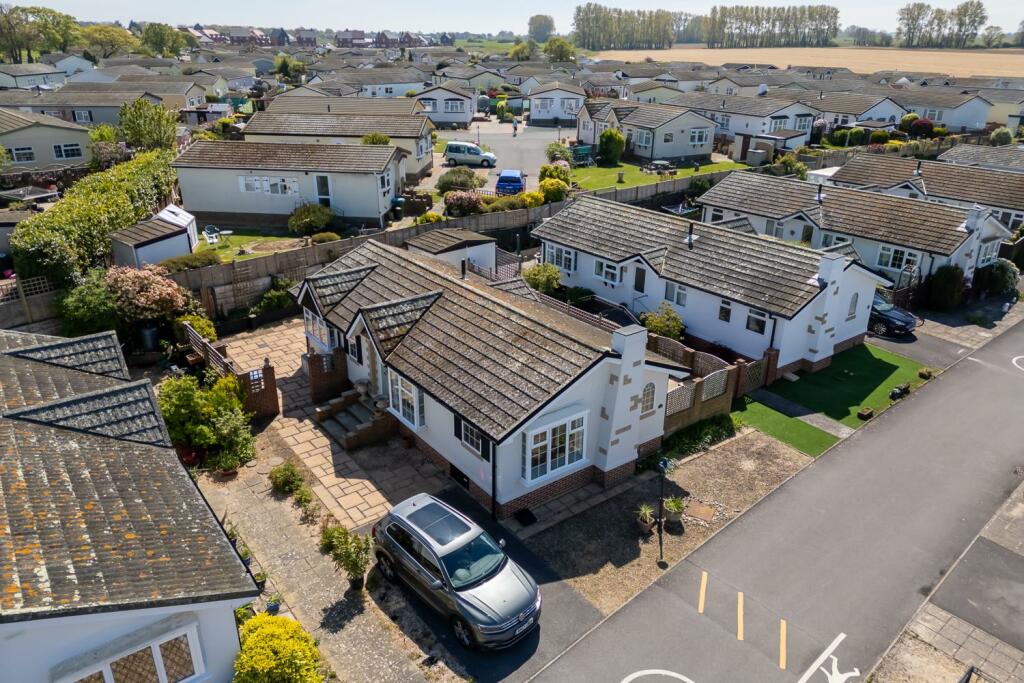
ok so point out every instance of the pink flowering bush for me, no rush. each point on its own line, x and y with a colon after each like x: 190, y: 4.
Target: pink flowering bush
x: 459, y: 203
x: 145, y: 294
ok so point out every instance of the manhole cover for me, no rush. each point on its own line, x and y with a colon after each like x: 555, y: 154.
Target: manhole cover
x: 700, y: 511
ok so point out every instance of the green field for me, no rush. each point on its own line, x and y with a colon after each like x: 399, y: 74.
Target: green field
x: 796, y: 433
x: 600, y: 177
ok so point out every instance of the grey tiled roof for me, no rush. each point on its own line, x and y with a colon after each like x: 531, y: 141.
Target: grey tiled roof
x: 146, y: 232
x: 989, y: 187
x: 651, y: 116
x: 757, y: 271
x: 1007, y: 156
x: 28, y: 383
x: 281, y: 156
x: 558, y: 85
x: 913, y: 223
x: 345, y: 105
x: 334, y: 282
x: 11, y: 120
x: 850, y: 103
x: 730, y: 104
x: 447, y: 239
x: 340, y: 125
x: 98, y: 354
x: 391, y: 321
x: 12, y: 339
x: 517, y: 286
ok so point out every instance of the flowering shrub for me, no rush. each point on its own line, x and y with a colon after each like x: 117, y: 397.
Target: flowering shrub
x: 310, y: 218
x: 922, y: 128
x: 461, y: 203
x: 144, y: 294
x: 430, y: 217
x: 556, y: 171
x: 533, y: 199
x: 276, y: 649
x: 553, y: 190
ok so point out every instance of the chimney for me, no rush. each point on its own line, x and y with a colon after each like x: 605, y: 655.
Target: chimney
x: 820, y: 194
x: 462, y: 265
x: 829, y: 267
x: 974, y: 218
x: 689, y: 236
x: 631, y: 343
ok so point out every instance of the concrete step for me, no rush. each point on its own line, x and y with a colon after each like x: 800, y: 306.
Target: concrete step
x: 347, y: 420
x: 335, y: 429
x: 360, y: 411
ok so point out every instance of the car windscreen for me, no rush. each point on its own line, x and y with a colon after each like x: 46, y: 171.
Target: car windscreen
x: 473, y: 562
x: 882, y: 305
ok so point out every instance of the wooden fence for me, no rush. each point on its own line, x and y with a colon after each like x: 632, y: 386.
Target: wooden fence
x: 259, y: 386
x: 24, y: 301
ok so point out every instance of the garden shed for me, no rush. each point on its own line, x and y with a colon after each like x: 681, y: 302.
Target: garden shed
x: 171, y: 232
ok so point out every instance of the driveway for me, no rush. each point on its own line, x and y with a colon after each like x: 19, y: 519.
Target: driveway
x: 932, y: 351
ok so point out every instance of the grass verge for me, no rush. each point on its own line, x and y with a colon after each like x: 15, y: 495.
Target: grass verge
x: 789, y: 430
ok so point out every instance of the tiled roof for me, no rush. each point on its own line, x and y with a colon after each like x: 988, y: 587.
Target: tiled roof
x: 558, y: 85
x: 389, y: 322
x: 28, y: 69
x: 651, y: 115
x: 26, y: 98
x: 753, y: 270
x: 12, y: 339
x: 850, y: 103
x: 447, y: 239
x: 11, y: 120
x: 340, y: 125
x: 99, y: 354
x: 730, y: 104
x: 988, y: 187
x: 345, y: 105
x: 450, y: 86
x: 517, y: 286
x: 1007, y: 156
x: 284, y: 156
x: 913, y: 223
x: 492, y: 357
x: 645, y: 86
x: 928, y: 97
x: 155, y: 86
x: 379, y: 76
x: 146, y: 232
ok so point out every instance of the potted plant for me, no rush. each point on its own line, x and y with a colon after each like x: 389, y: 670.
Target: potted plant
x: 352, y: 554
x: 645, y: 519
x: 232, y: 533
x: 246, y: 556
x: 225, y: 463
x: 261, y: 580
x: 674, y: 507
x: 274, y: 603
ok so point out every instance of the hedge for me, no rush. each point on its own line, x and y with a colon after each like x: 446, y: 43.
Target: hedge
x: 198, y: 259
x: 75, y: 234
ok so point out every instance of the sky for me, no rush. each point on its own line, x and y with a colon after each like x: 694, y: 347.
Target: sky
x: 483, y: 16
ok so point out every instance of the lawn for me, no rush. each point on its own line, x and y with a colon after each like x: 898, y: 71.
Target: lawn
x: 861, y: 376
x: 796, y: 433
x: 600, y: 177
x: 439, y: 145
x: 259, y: 242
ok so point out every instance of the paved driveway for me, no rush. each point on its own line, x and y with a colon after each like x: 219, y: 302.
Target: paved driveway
x: 525, y: 152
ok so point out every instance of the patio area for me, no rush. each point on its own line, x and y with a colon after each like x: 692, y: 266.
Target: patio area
x: 355, y: 487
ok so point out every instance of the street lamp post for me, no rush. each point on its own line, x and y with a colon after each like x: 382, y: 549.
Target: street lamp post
x: 663, y: 466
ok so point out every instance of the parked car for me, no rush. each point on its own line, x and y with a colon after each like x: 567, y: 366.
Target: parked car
x: 510, y: 182
x: 458, y: 569
x: 887, y: 319
x: 456, y: 153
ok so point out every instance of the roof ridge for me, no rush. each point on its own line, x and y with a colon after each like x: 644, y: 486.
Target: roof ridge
x: 111, y: 335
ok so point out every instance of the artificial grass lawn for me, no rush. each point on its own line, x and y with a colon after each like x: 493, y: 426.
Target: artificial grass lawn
x: 861, y: 376
x: 798, y: 434
x: 228, y: 247
x: 600, y: 177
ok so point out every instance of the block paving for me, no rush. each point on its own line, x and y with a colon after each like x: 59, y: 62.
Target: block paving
x: 968, y: 644
x: 357, y: 488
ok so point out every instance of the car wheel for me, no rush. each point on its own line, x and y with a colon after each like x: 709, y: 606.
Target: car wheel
x: 485, y: 164
x: 386, y: 567
x: 880, y: 328
x: 460, y: 629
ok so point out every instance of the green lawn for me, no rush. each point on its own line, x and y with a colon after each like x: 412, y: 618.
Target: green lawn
x: 861, y: 376
x: 228, y: 247
x: 600, y: 177
x: 790, y: 430
x: 439, y: 145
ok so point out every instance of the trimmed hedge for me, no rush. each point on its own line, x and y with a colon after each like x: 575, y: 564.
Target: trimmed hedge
x: 199, y: 259
x: 75, y: 234
x: 324, y: 237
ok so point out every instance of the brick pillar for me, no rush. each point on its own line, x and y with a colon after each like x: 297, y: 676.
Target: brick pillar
x: 261, y: 396
x: 771, y: 372
x: 698, y: 399
x: 740, y: 375
x: 328, y: 375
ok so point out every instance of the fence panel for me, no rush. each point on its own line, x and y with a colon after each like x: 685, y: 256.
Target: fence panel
x: 679, y: 399
x: 705, y: 364
x: 714, y: 384
x: 754, y: 375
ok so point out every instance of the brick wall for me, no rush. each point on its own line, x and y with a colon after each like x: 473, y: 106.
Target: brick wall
x: 619, y: 474
x: 701, y: 409
x: 808, y: 366
x: 554, y: 489
x: 324, y: 383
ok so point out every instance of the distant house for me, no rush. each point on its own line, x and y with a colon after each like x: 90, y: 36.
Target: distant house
x: 279, y: 37
x: 31, y: 76
x: 446, y: 39
x: 349, y: 38
x: 383, y: 83
x: 81, y: 107
x: 958, y: 112
x: 212, y: 84
x: 237, y: 78
x: 386, y: 39
x: 261, y: 181
x: 109, y: 74
x: 470, y: 77
x: 174, y: 94
x: 748, y: 116
x: 69, y: 64
x: 113, y: 565
x: 849, y: 108
x: 37, y: 141
x: 748, y: 85
x: 605, y: 85
x: 555, y: 103
x: 161, y: 65
x: 652, y: 131
x: 239, y: 35
x: 448, y: 105
x: 305, y: 37
x: 652, y: 92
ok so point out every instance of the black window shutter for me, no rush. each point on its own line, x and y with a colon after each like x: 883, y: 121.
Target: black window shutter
x: 458, y: 428
x: 344, y: 343
x: 486, y: 446
x: 359, y: 349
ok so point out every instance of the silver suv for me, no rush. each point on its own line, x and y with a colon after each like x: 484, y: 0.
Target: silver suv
x: 459, y: 570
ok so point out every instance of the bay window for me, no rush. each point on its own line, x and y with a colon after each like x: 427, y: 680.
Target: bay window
x: 895, y: 258
x: 644, y: 138
x: 551, y: 448
x: 562, y: 257
x: 316, y: 328
x: 407, y: 401
x: 611, y: 273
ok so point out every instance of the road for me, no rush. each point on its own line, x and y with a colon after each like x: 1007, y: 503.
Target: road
x: 845, y: 553
x: 525, y: 152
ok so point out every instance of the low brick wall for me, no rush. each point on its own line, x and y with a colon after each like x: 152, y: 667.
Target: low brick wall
x: 807, y: 366
x: 328, y: 375
x: 701, y: 409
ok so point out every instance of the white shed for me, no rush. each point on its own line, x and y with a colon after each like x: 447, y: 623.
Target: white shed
x: 453, y: 246
x: 172, y: 232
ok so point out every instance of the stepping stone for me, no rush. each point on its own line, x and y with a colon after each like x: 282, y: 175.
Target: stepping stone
x: 701, y: 511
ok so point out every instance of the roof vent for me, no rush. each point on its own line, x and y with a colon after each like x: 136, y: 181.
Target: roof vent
x: 917, y: 171
x: 689, y: 236
x: 821, y: 195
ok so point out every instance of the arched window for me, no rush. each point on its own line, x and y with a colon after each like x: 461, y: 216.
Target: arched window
x: 853, y: 305
x: 647, y: 398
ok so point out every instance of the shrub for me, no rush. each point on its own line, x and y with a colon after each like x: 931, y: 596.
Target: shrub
x: 144, y: 293
x: 331, y: 537
x: 791, y: 166
x: 1001, y: 136
x: 324, y: 237
x: 286, y: 478
x: 352, y: 555
x: 89, y: 307
x: 74, y: 234
x: 376, y: 139
x: 199, y: 259
x: 462, y: 203
x: 507, y: 203
x: 945, y: 288
x: 922, y: 128
x: 1001, y: 277
x: 308, y: 219
x: 146, y: 125
x: 553, y: 190
x: 544, y: 277
x: 430, y: 217
x: 699, y: 186
x: 233, y: 436
x: 274, y: 299
x: 839, y: 137
x: 907, y: 121
x: 186, y: 411
x: 556, y: 150
x: 879, y: 137
x: 275, y: 649
x: 610, y: 146
x: 664, y: 321
x: 576, y: 295
x: 940, y: 131
x: 458, y: 178
x: 533, y: 199
x: 700, y: 436
x: 556, y: 172
x: 201, y: 324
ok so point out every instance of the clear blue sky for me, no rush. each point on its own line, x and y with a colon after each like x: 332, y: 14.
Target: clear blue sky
x: 483, y: 16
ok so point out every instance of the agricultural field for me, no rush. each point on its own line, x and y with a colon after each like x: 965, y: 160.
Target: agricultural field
x: 1004, y: 62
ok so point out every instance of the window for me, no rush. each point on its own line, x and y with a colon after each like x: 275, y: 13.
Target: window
x: 67, y: 151
x: 354, y: 348
x: 405, y: 400
x: 83, y: 116
x: 647, y: 398
x: 803, y: 122
x: 385, y: 181
x: 698, y: 136
x: 895, y: 258
x: 675, y: 293
x: 316, y: 328
x: 725, y: 311
x: 933, y: 114
x: 388, y: 90
x: 454, y: 106
x: 174, y: 657
x: 552, y: 448
x: 570, y: 106
x: 644, y: 138
x: 757, y: 321
x: 585, y: 124
x: 23, y: 154
x: 988, y: 252
x: 724, y: 120
x: 544, y: 103
x: 668, y: 137
x: 471, y: 437
x: 773, y: 228
x: 611, y: 273
x: 561, y: 257
x: 852, y: 313
x: 323, y: 190
x: 777, y: 124
x: 717, y: 215
x: 248, y: 183
x: 283, y: 186
x: 430, y: 104
x: 829, y: 240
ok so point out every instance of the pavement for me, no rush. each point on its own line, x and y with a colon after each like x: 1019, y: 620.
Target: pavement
x: 815, y: 582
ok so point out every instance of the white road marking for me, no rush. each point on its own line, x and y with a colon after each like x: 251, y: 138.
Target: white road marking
x: 1018, y: 363
x: 655, y: 672
x: 813, y: 668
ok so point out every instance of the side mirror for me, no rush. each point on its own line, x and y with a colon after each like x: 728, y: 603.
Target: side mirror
x: 436, y: 584
x: 501, y: 543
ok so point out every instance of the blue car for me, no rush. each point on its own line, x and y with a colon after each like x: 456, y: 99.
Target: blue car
x: 510, y: 182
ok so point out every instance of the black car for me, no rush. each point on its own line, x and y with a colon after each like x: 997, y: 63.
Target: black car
x: 887, y: 319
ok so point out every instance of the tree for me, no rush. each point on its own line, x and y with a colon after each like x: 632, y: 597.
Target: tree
x: 560, y: 50
x: 992, y: 36
x: 288, y: 67
x: 107, y: 40
x: 908, y: 120
x: 162, y: 39
x: 376, y: 139
x: 610, y: 146
x: 1020, y: 34
x: 1001, y: 136
x: 544, y: 277
x: 967, y: 18
x: 145, y: 125
x: 56, y: 31
x: 15, y: 30
x: 912, y: 21
x: 520, y: 53
x: 664, y: 321
x: 541, y: 26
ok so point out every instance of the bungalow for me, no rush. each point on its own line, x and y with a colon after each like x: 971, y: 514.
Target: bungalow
x: 517, y: 402
x: 174, y: 94
x: 470, y: 77
x: 959, y: 113
x: 231, y: 181
x: 161, y: 65
x: 448, y: 105
x: 749, y: 85
x: 69, y: 64
x: 237, y: 78
x: 453, y: 245
x: 109, y: 74
x: 408, y: 132
x: 1002, y: 192
x: 903, y: 239
x: 384, y: 82
x: 211, y: 84
x: 846, y: 108
x: 345, y: 105
x: 604, y: 85
x: 80, y: 107
x: 747, y: 115
x: 639, y: 73
x: 332, y: 88
x: 279, y: 37
x: 753, y: 295
x: 555, y: 104
x: 652, y: 92
x: 38, y: 75
x: 305, y: 37
x: 1005, y: 158
x: 113, y: 565
x: 37, y: 141
x: 652, y: 131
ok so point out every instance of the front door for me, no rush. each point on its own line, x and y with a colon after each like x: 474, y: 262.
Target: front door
x: 808, y: 233
x: 639, y: 279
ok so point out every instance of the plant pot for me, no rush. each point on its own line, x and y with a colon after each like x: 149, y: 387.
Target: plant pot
x: 673, y: 517
x: 189, y: 456
x: 273, y: 607
x: 246, y: 561
x: 357, y: 583
x: 261, y: 584
x: 645, y: 528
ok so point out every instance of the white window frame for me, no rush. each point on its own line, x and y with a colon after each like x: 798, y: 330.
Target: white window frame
x: 453, y: 106
x: 471, y: 437
x: 829, y: 239
x: 250, y: 183
x: 675, y: 294
x: 405, y: 394
x: 563, y: 257
x: 757, y: 318
x: 353, y: 348
x: 23, y: 155
x: 888, y: 255
x: 610, y: 273
x: 724, y: 121
x: 854, y: 301
x: 544, y: 103
x: 83, y: 116
x: 668, y: 137
x: 61, y: 151
x: 988, y: 253
x: 316, y: 328
x: 774, y: 228
x: 777, y: 124
x: 803, y: 123
x: 716, y: 215
x: 429, y: 105
x: 385, y: 181
x: 725, y: 305
x: 698, y: 136
x: 644, y: 138
x: 647, y: 398
x: 575, y: 431
x: 282, y: 187
x: 190, y: 631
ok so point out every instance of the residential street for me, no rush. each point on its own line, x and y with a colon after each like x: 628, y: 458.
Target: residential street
x: 845, y: 553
